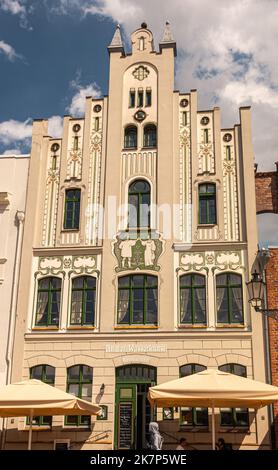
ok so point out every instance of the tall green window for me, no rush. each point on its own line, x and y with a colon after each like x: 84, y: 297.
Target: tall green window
x: 46, y: 374
x: 130, y: 137
x: 150, y: 139
x: 193, y: 299
x: 207, y: 203
x: 72, y: 209
x: 48, y: 302
x: 83, y: 300
x: 137, y: 300
x: 139, y: 199
x: 192, y: 416
x: 229, y: 298
x: 234, y: 417
x: 79, y: 384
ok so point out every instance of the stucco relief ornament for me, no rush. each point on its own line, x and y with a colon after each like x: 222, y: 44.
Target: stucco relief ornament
x: 96, y: 143
x: 228, y: 167
x: 133, y: 252
x: 53, y: 176
x: 84, y: 264
x: 192, y: 261
x: 185, y: 138
x: 50, y: 265
x: 140, y: 73
x: 228, y: 260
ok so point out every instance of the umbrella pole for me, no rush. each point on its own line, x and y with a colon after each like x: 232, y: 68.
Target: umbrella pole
x: 213, y: 426
x: 30, y: 430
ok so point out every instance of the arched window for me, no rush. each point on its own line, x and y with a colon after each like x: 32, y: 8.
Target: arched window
x: 79, y: 384
x: 72, y: 209
x: 48, y: 302
x: 130, y: 137
x: 83, y: 301
x: 139, y: 200
x: 137, y: 300
x: 192, y: 299
x: 46, y: 374
x: 234, y: 417
x: 192, y: 416
x: 150, y: 139
x: 207, y: 203
x: 229, y: 298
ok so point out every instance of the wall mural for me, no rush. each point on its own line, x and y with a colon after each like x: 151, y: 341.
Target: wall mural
x: 134, y: 252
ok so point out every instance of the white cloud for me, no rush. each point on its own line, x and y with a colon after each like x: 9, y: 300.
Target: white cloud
x: 8, y: 51
x: 19, y: 133
x: 77, y: 106
x: 13, y: 6
x: 13, y: 131
x: 14, y: 151
x: 55, y: 126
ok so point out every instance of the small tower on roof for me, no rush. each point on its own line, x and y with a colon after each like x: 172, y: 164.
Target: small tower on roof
x: 168, y: 40
x: 116, y: 44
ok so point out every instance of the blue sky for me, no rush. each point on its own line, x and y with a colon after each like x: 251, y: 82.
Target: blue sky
x: 53, y: 53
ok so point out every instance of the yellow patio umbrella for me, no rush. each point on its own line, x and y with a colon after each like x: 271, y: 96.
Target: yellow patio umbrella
x: 35, y: 398
x: 213, y: 388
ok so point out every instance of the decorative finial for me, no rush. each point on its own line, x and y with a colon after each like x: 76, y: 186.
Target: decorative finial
x: 144, y: 25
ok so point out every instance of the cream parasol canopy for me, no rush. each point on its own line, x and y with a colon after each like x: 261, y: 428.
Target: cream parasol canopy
x: 35, y: 398
x: 213, y: 388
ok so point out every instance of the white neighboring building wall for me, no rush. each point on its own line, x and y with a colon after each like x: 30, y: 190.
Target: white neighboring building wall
x: 13, y: 186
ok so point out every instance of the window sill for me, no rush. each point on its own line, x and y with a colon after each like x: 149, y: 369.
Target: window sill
x: 126, y: 149
x: 39, y: 328
x: 135, y: 327
x: 67, y: 230
x: 38, y: 428
x: 84, y: 327
x: 206, y: 225
x: 153, y: 147
x: 198, y: 429
x: 230, y: 325
x: 235, y: 430
x: 191, y: 326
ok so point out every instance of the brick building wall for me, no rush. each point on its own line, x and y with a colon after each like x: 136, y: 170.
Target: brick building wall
x: 267, y: 191
x: 272, y: 299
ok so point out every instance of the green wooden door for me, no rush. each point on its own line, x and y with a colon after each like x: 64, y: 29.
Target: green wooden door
x: 125, y: 416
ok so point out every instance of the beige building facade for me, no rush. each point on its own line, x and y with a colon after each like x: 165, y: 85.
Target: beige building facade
x: 112, y: 301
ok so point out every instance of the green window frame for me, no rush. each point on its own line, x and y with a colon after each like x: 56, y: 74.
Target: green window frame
x: 192, y: 416
x: 48, y: 302
x: 193, y: 299
x: 234, y: 417
x: 72, y: 209
x: 207, y: 204
x: 139, y: 200
x: 46, y: 374
x: 83, y: 301
x: 130, y: 140
x: 206, y: 136
x: 79, y: 384
x: 150, y: 136
x: 137, y: 300
x: 229, y: 299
